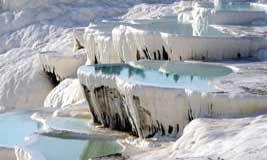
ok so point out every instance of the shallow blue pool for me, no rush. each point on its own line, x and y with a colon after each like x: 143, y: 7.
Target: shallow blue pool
x: 180, y: 75
x: 16, y: 126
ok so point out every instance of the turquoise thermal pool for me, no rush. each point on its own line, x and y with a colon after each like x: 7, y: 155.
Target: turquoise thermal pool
x: 17, y: 129
x: 183, y: 75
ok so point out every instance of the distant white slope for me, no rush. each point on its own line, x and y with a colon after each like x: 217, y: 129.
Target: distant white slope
x: 15, y: 4
x: 22, y: 82
x: 218, y: 139
x: 147, y: 11
x: 39, y: 37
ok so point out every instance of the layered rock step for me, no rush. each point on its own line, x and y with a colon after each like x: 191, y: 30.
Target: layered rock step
x: 147, y: 102
x: 167, y: 39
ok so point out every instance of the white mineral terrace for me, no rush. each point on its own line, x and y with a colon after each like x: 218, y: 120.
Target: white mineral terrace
x: 115, y: 41
x: 117, y: 102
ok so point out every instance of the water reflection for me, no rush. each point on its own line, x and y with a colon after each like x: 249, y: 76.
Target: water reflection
x: 120, y: 69
x: 154, y: 77
x: 73, y: 149
x: 176, y: 78
x: 100, y: 148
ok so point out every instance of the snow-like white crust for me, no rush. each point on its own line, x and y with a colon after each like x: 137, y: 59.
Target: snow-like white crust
x: 66, y: 93
x: 122, y: 42
x: 22, y: 82
x: 125, y: 41
x: 241, y: 138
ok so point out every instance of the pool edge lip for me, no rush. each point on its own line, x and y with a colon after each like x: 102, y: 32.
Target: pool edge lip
x: 214, y: 81
x: 131, y: 63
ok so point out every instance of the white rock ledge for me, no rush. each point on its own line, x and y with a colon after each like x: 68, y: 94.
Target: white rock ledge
x: 148, y: 110
x: 126, y: 43
x: 59, y: 65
